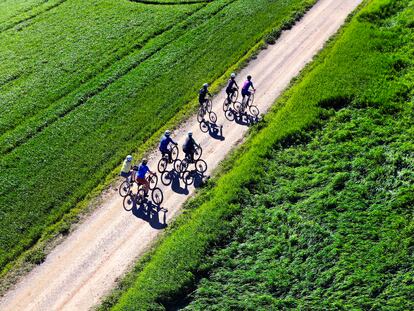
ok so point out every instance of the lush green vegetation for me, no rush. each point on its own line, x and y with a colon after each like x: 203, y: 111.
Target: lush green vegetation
x: 324, y: 217
x: 85, y: 83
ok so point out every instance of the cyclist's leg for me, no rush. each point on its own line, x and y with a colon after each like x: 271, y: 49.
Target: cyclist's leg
x: 169, y: 153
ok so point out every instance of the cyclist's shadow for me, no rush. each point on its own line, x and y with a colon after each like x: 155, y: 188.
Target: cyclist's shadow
x: 172, y: 179
x: 245, y: 119
x: 151, y: 213
x: 214, y: 130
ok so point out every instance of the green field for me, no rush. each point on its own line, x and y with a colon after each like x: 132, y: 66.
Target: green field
x: 324, y: 217
x: 82, y: 83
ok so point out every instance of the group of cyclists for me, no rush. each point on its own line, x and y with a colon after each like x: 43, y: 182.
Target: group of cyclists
x: 138, y: 173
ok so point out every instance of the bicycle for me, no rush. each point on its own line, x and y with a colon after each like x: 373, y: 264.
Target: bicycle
x: 127, y: 184
x: 164, y: 161
x: 200, y: 166
x: 132, y: 199
x: 205, y: 108
x: 233, y: 98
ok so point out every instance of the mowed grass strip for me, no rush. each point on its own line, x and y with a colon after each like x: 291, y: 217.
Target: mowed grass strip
x: 324, y: 219
x: 46, y: 176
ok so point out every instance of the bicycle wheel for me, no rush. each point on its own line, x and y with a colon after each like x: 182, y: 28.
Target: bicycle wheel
x: 124, y: 188
x: 238, y: 106
x: 157, y: 196
x: 174, y: 153
x: 234, y: 96
x: 201, y: 166
x: 204, y: 127
x: 184, y: 165
x: 177, y: 165
x: 129, y: 202
x: 254, y: 111
x: 213, y: 117
x: 153, y: 181
x: 162, y: 165
x: 251, y: 99
x: 166, y: 178
x: 200, y: 115
x: 209, y: 105
x: 188, y: 178
x: 197, y: 153
x: 229, y: 115
x: 140, y: 196
x: 226, y: 105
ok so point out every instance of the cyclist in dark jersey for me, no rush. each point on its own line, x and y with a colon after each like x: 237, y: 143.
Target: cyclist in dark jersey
x: 230, y: 89
x: 189, y: 146
x: 165, y: 141
x: 203, y: 93
x: 246, y: 88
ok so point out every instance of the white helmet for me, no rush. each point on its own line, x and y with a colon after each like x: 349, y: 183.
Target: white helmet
x: 233, y: 75
x: 190, y: 133
x: 129, y: 158
x: 144, y: 160
x: 167, y: 133
x: 205, y: 84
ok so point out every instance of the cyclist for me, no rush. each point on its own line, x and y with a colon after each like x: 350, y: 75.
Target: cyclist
x: 165, y: 141
x: 246, y: 88
x: 230, y: 89
x: 143, y: 169
x: 203, y: 93
x: 190, y: 146
x: 126, y: 168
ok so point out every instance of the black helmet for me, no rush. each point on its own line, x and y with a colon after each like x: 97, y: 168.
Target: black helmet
x: 249, y: 77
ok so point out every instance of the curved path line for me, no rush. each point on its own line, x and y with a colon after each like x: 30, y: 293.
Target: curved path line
x: 84, y: 267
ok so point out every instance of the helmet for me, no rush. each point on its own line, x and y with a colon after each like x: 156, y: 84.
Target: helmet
x: 190, y: 133
x: 205, y: 84
x: 144, y: 160
x: 129, y: 158
x: 167, y: 133
x: 233, y: 75
x: 249, y: 77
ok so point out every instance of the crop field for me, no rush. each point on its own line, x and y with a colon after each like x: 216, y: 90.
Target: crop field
x: 83, y: 83
x: 324, y: 217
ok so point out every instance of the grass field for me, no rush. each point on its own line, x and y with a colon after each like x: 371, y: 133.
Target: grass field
x: 83, y: 83
x: 324, y: 219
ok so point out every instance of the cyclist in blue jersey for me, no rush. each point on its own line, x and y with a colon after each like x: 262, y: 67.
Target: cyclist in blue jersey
x: 164, y: 143
x: 143, y: 169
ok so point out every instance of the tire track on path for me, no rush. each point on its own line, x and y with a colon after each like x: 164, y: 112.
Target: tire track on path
x: 83, y: 268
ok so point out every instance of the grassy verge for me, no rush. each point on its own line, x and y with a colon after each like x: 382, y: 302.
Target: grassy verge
x: 39, y: 229
x: 367, y: 69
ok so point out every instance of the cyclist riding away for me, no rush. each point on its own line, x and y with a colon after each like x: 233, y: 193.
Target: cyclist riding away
x: 143, y: 169
x: 203, y: 93
x: 126, y: 168
x: 165, y: 141
x: 230, y: 89
x: 246, y: 88
x: 189, y: 147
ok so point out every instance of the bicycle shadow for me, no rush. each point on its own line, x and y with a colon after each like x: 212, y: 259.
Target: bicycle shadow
x: 243, y: 119
x: 151, y: 213
x: 173, y: 178
x: 215, y: 131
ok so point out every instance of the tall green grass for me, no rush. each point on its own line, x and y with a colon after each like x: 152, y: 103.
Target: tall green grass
x: 321, y: 220
x: 71, y: 140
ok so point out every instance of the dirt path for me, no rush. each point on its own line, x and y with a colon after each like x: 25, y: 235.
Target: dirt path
x: 86, y: 265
